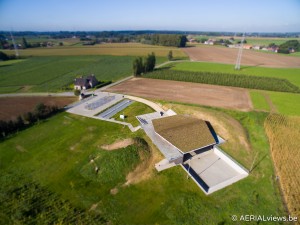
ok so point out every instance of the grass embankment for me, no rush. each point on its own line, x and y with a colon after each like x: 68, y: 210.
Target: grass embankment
x: 224, y: 79
x: 117, y: 49
x: 132, y: 111
x: 41, y: 74
x: 284, y: 137
x: 56, y: 155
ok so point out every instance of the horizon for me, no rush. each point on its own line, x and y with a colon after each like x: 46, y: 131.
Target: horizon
x: 199, y: 16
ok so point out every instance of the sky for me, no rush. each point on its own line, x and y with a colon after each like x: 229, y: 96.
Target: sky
x: 190, y: 15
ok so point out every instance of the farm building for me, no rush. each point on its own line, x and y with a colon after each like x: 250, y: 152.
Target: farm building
x: 85, y: 83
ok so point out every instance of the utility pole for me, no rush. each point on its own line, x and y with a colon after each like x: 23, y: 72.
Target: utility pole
x: 239, y: 58
x: 15, y: 46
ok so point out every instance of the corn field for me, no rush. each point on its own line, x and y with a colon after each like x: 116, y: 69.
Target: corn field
x: 226, y: 79
x: 284, y: 137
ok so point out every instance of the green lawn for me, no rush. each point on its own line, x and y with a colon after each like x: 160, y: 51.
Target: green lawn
x: 132, y: 111
x: 56, y: 155
x: 291, y: 74
x: 51, y: 73
x: 286, y: 103
x: 259, y: 101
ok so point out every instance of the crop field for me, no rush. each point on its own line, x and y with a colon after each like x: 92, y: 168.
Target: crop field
x: 225, y: 79
x: 54, y: 159
x: 118, y: 49
x: 250, y: 58
x: 291, y: 74
x: 284, y: 136
x: 11, y: 107
x: 42, y: 74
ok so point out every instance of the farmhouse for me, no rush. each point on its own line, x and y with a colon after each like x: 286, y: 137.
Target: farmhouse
x: 85, y: 83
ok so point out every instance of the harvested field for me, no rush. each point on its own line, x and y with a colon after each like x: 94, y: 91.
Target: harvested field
x: 11, y: 107
x: 250, y: 57
x: 202, y: 94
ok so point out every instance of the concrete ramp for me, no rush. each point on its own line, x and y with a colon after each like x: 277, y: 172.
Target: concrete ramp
x: 163, y: 165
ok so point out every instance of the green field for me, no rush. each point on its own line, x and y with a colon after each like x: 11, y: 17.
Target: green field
x: 259, y: 101
x: 41, y: 74
x: 291, y: 74
x: 286, y: 103
x: 56, y: 154
x: 283, y: 103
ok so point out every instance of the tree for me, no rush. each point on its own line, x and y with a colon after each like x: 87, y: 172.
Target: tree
x: 77, y: 92
x: 149, y: 63
x: 40, y: 109
x: 138, y: 67
x: 3, y: 56
x: 25, y: 44
x: 61, y: 44
x: 170, y: 55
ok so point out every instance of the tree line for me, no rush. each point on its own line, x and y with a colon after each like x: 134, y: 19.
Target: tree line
x: 141, y: 66
x: 40, y: 112
x: 289, y: 46
x: 174, y: 40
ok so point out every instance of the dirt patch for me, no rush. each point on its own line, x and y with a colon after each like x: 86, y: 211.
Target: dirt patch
x: 114, y: 191
x: 202, y: 94
x: 21, y: 148
x: 118, y: 144
x: 11, y: 107
x: 250, y: 57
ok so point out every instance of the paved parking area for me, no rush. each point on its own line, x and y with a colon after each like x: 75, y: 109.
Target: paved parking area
x: 212, y: 170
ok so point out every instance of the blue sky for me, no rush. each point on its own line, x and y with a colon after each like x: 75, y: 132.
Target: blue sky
x: 196, y: 15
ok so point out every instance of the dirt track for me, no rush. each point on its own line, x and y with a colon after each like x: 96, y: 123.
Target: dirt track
x: 249, y: 57
x: 11, y: 107
x: 202, y: 94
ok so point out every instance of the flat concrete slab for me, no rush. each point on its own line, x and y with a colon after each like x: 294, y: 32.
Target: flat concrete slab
x: 115, y: 109
x: 213, y: 170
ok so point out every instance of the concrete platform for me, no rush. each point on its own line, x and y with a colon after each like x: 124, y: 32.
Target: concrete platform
x: 213, y: 170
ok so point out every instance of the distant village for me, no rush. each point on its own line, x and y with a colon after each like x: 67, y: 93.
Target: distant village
x: 232, y: 43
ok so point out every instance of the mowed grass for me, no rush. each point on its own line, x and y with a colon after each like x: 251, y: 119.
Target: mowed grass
x: 56, y: 154
x: 291, y: 74
x: 53, y: 72
x: 117, y: 49
x: 135, y: 109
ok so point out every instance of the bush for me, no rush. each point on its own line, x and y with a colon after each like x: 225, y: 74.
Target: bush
x: 77, y: 92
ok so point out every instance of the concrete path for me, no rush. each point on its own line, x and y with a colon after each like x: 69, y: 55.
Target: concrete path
x: 153, y: 105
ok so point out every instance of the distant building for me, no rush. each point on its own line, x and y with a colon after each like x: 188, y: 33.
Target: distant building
x: 85, y: 83
x: 245, y: 46
x: 210, y: 42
